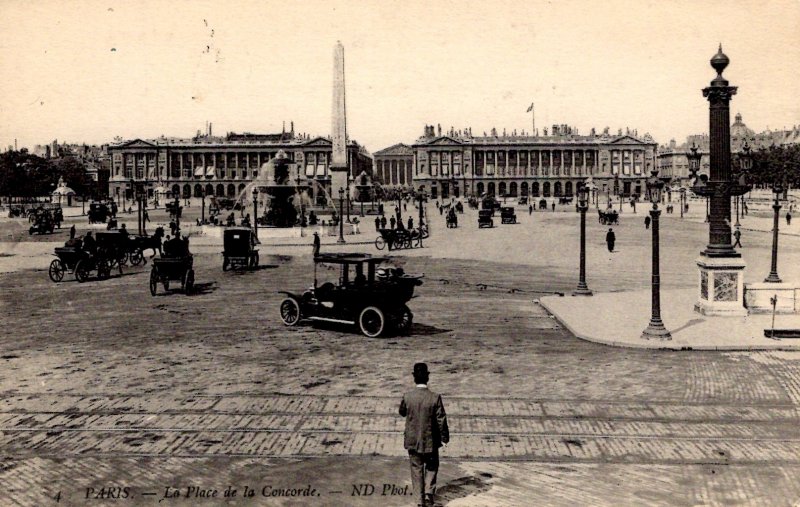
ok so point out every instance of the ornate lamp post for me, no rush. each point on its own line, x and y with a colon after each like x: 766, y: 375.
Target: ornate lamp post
x: 255, y: 212
x: 745, y: 164
x: 203, y: 208
x: 177, y: 210
x: 655, y: 329
x: 773, y: 272
x: 348, y: 198
x: 694, y: 166
x: 421, y: 196
x: 303, y: 222
x: 583, y: 206
x: 683, y: 199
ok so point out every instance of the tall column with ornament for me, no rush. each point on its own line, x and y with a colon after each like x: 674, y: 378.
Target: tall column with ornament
x: 721, y: 268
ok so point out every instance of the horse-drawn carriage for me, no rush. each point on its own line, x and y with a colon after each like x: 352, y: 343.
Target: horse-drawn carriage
x: 172, y: 269
x: 608, y: 217
x: 239, y: 248
x: 507, y: 215
x: 374, y: 299
x: 396, y: 239
x: 174, y: 209
x: 75, y: 260
x: 485, y: 218
x: 98, y: 213
x: 565, y: 200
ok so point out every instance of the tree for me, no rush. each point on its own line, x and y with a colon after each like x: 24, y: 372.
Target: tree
x: 777, y: 165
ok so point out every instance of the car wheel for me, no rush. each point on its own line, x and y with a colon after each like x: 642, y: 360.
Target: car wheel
x: 371, y: 321
x: 103, y: 270
x: 225, y: 264
x: 255, y: 260
x: 380, y: 243
x: 56, y: 271
x: 290, y: 311
x: 189, y: 285
x: 153, y: 282
x: 404, y: 320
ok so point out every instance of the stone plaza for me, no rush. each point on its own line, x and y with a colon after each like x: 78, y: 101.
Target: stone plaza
x: 107, y: 391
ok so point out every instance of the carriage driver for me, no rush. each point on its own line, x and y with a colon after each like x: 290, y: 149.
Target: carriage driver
x: 89, y: 244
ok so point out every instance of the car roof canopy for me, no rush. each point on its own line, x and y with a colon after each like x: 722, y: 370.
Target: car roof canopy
x: 348, y: 258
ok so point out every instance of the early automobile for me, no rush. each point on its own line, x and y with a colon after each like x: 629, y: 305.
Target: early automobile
x: 239, y: 251
x: 98, y: 213
x: 485, y: 218
x: 172, y: 269
x: 507, y: 215
x: 452, y: 219
x: 78, y: 261
x: 397, y: 239
x: 43, y: 223
x: 522, y: 200
x: 490, y: 203
x: 372, y: 298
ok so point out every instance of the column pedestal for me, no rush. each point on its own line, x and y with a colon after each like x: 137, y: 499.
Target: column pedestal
x: 721, y: 286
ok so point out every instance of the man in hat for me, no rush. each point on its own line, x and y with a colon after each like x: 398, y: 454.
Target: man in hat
x: 426, y: 431
x: 316, y: 244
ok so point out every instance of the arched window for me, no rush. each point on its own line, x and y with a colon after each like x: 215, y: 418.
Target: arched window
x: 512, y: 189
x: 568, y: 189
x: 198, y: 190
x: 480, y: 187
x: 535, y: 189
x: 557, y: 189
x: 209, y: 190
x: 241, y: 187
x: 220, y: 190
x: 523, y: 189
x: 231, y: 190
x: 546, y: 189
x: 187, y: 191
x: 175, y: 190
x: 502, y: 188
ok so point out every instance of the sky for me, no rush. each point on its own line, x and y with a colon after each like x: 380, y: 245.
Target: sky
x: 88, y: 71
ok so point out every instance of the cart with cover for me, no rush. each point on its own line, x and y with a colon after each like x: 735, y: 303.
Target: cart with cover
x: 98, y: 213
x: 373, y: 299
x: 485, y: 218
x: 239, y: 248
x: 507, y: 215
x: 172, y: 269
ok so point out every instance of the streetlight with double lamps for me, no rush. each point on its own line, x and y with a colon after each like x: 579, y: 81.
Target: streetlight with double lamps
x: 177, y: 211
x: 694, y: 166
x: 421, y: 196
x: 655, y: 329
x: 341, y: 216
x: 255, y: 213
x: 583, y: 206
x: 773, y: 277
x: 203, y: 208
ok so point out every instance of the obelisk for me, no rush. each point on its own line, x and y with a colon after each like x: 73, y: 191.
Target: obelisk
x: 338, y: 166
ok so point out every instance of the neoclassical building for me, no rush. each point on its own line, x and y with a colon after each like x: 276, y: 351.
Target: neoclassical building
x: 459, y: 163
x: 394, y: 165
x: 221, y: 166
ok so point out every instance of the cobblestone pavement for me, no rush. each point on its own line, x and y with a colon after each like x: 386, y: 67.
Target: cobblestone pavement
x: 104, y: 385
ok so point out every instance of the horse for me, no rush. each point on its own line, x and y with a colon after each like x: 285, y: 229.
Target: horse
x: 151, y: 242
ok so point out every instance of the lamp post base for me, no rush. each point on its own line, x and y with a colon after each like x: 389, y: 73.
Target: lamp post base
x: 582, y: 291
x: 341, y: 241
x: 656, y: 331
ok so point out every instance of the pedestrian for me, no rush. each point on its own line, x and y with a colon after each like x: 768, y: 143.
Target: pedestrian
x: 392, y: 221
x: 72, y: 232
x: 315, y: 251
x: 377, y: 224
x: 146, y: 216
x: 172, y: 226
x: 405, y: 206
x: 530, y: 209
x: 383, y: 222
x: 441, y: 210
x: 737, y: 234
x: 647, y: 222
x: 554, y: 205
x: 610, y: 239
x: 410, y: 223
x: 788, y: 218
x: 356, y: 229
x: 425, y: 432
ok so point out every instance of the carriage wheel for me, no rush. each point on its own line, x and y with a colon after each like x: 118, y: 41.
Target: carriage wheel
x: 290, y: 311
x: 380, y: 243
x: 226, y: 263
x: 408, y: 241
x: 153, y: 282
x: 56, y: 271
x: 371, y: 321
x: 136, y: 257
x: 123, y: 259
x: 404, y: 320
x: 188, y: 283
x: 254, y: 260
x: 81, y: 271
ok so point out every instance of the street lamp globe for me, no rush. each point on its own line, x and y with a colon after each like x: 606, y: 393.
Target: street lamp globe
x: 694, y: 162
x: 654, y: 187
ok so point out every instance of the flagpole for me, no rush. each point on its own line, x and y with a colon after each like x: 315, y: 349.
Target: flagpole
x: 533, y: 119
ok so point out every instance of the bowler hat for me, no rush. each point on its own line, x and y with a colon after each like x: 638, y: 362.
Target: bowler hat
x: 420, y: 369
